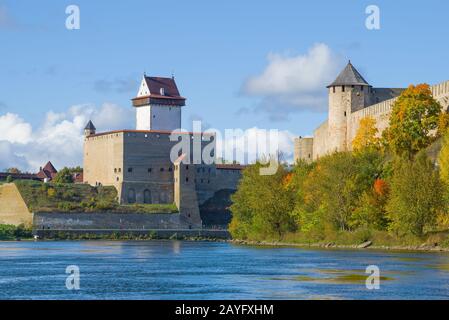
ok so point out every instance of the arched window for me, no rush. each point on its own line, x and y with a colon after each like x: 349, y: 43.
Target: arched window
x: 147, y: 196
x: 131, y: 196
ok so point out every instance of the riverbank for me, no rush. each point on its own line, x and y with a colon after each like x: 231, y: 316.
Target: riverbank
x: 368, y: 245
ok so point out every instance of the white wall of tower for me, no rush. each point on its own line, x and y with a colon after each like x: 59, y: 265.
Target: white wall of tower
x: 158, y: 117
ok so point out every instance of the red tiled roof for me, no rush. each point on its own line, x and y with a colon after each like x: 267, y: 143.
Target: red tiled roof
x: 168, y: 84
x: 48, y: 171
x: 156, y: 83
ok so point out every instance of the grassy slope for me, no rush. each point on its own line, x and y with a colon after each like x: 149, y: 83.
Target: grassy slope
x: 41, y: 197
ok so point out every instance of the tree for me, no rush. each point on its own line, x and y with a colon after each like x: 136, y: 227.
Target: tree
x: 9, y: 179
x: 443, y: 160
x: 416, y: 196
x: 65, y: 175
x: 414, y: 119
x: 262, y: 205
x: 366, y: 135
x: 332, y: 190
x: 371, y: 211
x: 13, y: 170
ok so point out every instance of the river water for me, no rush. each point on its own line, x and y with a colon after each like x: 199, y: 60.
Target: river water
x: 209, y: 270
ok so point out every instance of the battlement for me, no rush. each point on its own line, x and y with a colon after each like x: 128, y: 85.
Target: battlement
x: 350, y: 100
x: 439, y: 91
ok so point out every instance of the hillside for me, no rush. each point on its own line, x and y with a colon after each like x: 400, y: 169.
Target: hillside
x: 48, y: 197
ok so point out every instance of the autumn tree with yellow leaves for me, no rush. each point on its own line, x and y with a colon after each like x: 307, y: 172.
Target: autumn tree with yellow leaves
x: 367, y: 135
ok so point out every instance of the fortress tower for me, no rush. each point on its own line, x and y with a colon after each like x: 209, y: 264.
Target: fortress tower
x: 347, y: 94
x: 158, y: 104
x: 351, y: 99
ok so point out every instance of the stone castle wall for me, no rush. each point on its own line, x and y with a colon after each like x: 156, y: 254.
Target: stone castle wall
x: 320, y: 139
x: 381, y: 111
x: 101, y: 220
x: 324, y: 136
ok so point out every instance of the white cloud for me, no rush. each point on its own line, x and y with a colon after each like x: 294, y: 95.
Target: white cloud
x: 59, y: 138
x: 294, y: 83
x: 14, y: 129
x: 254, y: 144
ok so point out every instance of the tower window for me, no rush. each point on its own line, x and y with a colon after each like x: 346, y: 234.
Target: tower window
x: 345, y: 113
x: 343, y: 89
x: 162, y: 169
x: 149, y: 170
x: 130, y: 169
x: 333, y: 89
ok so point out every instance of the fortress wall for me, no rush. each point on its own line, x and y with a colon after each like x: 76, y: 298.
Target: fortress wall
x: 95, y: 221
x: 304, y: 149
x: 440, y: 89
x: 208, y: 183
x: 103, y: 153
x: 320, y: 137
x: 381, y: 111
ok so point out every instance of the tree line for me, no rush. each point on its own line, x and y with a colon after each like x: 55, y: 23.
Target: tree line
x: 387, y: 184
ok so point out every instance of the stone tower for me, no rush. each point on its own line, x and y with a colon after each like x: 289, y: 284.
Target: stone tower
x: 348, y: 93
x: 158, y: 104
x: 89, y: 129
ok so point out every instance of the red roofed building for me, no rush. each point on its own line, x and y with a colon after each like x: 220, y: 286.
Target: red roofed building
x: 158, y: 104
x: 47, y: 173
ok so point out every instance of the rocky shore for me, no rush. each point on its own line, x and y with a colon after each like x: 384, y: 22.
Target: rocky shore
x: 330, y: 245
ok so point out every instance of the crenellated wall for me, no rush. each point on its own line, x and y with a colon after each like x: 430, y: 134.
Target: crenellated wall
x: 327, y: 137
x: 381, y: 111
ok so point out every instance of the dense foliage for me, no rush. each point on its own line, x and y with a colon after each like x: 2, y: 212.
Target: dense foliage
x: 414, y: 116
x: 10, y: 232
x: 391, y: 189
x: 66, y: 175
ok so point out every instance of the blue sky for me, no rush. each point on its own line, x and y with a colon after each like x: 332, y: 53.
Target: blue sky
x: 214, y: 48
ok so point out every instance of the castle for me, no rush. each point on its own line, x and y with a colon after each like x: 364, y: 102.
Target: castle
x: 352, y: 98
x: 139, y: 163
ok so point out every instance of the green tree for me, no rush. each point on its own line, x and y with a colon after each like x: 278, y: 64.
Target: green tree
x: 414, y: 118
x: 262, y: 205
x: 333, y: 188
x: 66, y: 175
x: 416, y: 196
x: 13, y: 170
x: 443, y: 160
x: 9, y: 179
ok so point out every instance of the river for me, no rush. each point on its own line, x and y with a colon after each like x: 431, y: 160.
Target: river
x: 214, y: 270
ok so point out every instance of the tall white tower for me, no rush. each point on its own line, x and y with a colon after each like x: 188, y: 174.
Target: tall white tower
x: 158, y: 104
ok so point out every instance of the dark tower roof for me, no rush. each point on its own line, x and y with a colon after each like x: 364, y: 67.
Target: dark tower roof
x: 163, y: 91
x: 349, y: 76
x: 90, y: 126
